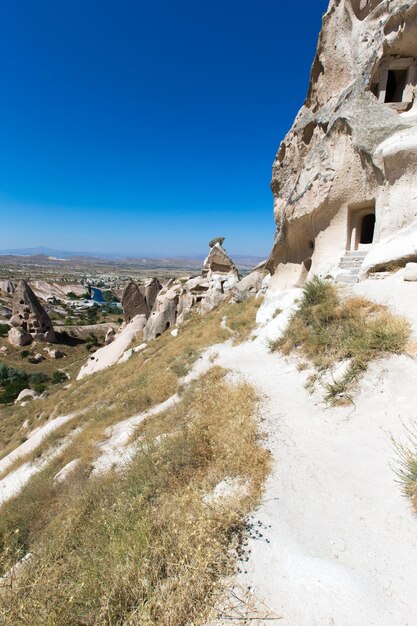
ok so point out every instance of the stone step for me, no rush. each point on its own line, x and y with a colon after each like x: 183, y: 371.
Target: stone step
x: 348, y: 279
x: 349, y: 263
x: 349, y: 270
x: 355, y: 254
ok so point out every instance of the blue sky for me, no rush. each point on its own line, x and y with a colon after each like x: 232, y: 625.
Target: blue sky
x: 147, y: 127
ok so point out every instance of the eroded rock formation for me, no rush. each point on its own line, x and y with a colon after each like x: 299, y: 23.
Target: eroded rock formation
x: 139, y: 299
x: 133, y: 302
x: 218, y: 277
x: 344, y: 176
x: 29, y: 321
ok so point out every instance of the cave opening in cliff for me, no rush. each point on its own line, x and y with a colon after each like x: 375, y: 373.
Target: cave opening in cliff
x: 361, y: 225
x: 396, y: 83
x: 367, y: 228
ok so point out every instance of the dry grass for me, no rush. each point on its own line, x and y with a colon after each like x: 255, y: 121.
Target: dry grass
x: 143, y: 548
x: 328, y: 330
x: 241, y: 318
x: 407, y: 465
x: 129, y: 388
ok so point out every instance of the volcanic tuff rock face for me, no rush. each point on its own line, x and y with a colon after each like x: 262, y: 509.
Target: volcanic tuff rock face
x: 139, y: 299
x: 133, y: 302
x: 219, y: 275
x: 344, y: 176
x: 29, y: 321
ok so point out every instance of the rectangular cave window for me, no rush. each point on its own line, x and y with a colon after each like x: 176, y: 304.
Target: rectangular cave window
x: 396, y: 83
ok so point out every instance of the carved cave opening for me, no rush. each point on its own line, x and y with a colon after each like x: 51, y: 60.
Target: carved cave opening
x: 361, y: 226
x: 367, y: 228
x: 396, y: 83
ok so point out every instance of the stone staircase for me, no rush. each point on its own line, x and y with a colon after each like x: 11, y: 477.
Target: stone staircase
x: 349, y: 267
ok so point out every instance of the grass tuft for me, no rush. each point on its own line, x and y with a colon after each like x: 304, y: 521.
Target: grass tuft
x: 327, y: 330
x: 407, y: 465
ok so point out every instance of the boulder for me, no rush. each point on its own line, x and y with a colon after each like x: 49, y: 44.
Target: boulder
x: 55, y: 354
x: 218, y: 240
x: 19, y: 337
x: 38, y: 358
x: 410, y: 272
x: 248, y: 286
x: 27, y: 394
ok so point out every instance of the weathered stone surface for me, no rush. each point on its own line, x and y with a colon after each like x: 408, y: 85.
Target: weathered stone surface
x: 7, y: 286
x: 218, y: 261
x: 109, y: 336
x: 344, y: 176
x: 38, y: 358
x: 152, y: 287
x: 410, y: 272
x: 55, y: 354
x: 164, y: 314
x: 29, y: 319
x: 186, y: 302
x: 5, y: 312
x: 27, y: 394
x: 197, y: 285
x: 133, y: 302
x: 19, y: 337
x: 109, y: 355
x: 212, y: 300
x: 248, y: 286
x: 219, y: 240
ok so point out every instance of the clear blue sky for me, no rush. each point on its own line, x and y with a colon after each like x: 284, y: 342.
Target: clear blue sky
x: 147, y: 127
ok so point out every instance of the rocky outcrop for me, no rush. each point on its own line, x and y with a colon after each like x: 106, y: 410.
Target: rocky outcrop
x: 218, y: 262
x: 203, y: 293
x: 150, y: 290
x: 139, y: 299
x: 249, y: 286
x: 344, y: 176
x: 164, y: 315
x: 221, y: 275
x: 110, y: 334
x: 29, y: 321
x: 110, y: 354
x: 7, y: 286
x: 133, y: 302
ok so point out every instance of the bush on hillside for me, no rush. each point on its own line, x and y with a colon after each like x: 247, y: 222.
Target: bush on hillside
x: 13, y: 381
x: 328, y: 329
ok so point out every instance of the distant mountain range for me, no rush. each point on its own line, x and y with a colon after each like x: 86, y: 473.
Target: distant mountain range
x: 182, y: 260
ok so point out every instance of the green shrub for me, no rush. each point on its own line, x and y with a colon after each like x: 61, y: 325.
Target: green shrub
x: 58, y: 377
x: 4, y: 329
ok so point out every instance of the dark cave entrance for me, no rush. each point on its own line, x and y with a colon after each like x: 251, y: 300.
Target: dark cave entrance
x: 367, y: 228
x: 396, y: 83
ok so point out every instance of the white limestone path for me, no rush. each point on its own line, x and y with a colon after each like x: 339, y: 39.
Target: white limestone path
x: 339, y: 543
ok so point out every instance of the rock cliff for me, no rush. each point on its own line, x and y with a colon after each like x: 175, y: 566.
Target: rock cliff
x: 344, y: 176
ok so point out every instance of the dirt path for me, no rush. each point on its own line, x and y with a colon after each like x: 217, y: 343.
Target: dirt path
x: 339, y: 544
